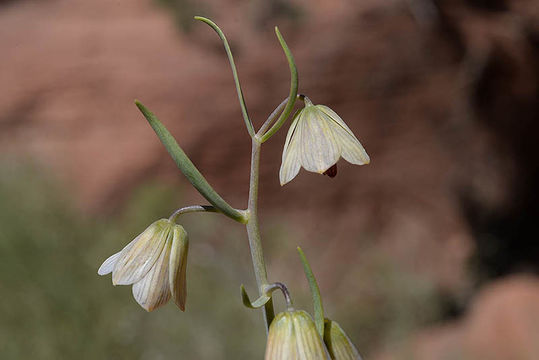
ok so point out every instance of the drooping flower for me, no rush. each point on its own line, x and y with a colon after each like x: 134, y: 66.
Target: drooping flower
x: 338, y: 343
x: 316, y: 140
x: 293, y: 336
x: 154, y: 263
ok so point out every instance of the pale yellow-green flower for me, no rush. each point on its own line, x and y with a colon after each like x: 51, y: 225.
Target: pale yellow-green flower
x: 154, y: 263
x: 293, y: 336
x: 338, y: 343
x: 316, y: 140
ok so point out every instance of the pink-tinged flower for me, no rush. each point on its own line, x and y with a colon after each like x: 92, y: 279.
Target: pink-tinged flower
x: 155, y: 263
x: 316, y: 140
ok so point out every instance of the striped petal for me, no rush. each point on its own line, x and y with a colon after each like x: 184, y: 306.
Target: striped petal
x: 309, y: 343
x: 338, y: 343
x: 291, y: 164
x: 178, y: 266
x: 137, y: 258
x: 335, y: 117
x: 153, y: 290
x: 320, y: 150
x: 281, y: 339
x: 350, y: 147
x: 108, y: 265
x: 293, y: 336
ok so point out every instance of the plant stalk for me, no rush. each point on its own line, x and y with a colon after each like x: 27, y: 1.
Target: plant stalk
x: 253, y: 232
x: 273, y: 116
x: 191, y: 209
x: 219, y: 32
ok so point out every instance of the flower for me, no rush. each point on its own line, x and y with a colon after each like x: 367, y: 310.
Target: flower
x: 293, y: 336
x: 316, y: 140
x: 338, y: 343
x: 154, y: 263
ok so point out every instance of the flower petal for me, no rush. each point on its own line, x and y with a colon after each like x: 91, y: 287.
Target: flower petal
x: 351, y: 149
x: 338, y: 343
x: 335, y: 117
x: 309, y: 343
x: 153, y: 290
x: 137, y: 258
x: 178, y: 266
x: 293, y: 336
x: 320, y: 150
x: 291, y: 164
x: 108, y: 265
x: 281, y: 342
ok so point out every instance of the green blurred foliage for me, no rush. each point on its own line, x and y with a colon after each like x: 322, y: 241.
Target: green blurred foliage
x: 55, y: 306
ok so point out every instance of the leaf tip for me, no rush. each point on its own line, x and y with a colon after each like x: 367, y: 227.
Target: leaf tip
x: 139, y: 105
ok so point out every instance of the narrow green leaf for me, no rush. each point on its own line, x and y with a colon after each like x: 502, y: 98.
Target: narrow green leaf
x: 315, y: 293
x: 188, y: 168
x: 248, y: 122
x: 258, y: 303
x: 293, y: 89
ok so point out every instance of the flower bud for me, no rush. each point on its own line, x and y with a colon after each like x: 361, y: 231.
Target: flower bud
x: 338, y: 343
x: 293, y: 336
x: 316, y: 140
x: 154, y: 263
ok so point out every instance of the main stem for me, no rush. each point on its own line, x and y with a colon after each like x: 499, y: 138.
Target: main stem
x: 253, y: 232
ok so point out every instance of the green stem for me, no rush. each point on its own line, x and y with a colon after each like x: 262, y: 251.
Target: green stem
x: 278, y: 285
x: 191, y: 209
x: 273, y: 116
x: 189, y: 169
x: 246, y: 118
x: 253, y: 232
x: 293, y: 89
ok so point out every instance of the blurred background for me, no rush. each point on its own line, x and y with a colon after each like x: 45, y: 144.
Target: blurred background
x: 429, y: 252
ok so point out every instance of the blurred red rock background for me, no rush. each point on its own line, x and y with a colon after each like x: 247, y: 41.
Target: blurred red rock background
x: 443, y: 95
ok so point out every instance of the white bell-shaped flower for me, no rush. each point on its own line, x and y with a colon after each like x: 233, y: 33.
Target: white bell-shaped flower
x: 155, y: 263
x: 316, y: 140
